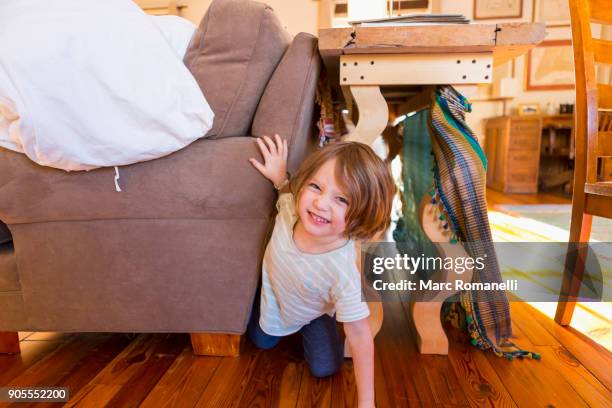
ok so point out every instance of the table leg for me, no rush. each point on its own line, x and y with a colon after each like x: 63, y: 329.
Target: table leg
x: 373, y: 113
x: 348, y: 98
x: 430, y: 335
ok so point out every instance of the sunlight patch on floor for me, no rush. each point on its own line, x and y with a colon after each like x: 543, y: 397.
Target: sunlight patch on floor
x: 591, y: 319
x: 508, y: 228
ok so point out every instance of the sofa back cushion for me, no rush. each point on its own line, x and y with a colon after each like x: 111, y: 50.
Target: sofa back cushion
x: 232, y: 55
x: 287, y: 106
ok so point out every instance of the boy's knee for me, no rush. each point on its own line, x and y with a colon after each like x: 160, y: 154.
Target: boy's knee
x: 262, y: 340
x: 264, y: 344
x: 324, y: 370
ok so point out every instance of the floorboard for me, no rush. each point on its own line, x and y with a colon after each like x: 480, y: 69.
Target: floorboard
x: 439, y: 372
x: 154, y: 370
x: 549, y: 387
x: 477, y: 376
x: 272, y: 372
x: 184, y: 382
x: 400, y: 356
x: 12, y: 366
x: 591, y: 355
x: 231, y: 379
x: 150, y: 371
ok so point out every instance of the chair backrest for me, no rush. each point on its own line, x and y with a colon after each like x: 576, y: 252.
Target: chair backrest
x: 593, y: 101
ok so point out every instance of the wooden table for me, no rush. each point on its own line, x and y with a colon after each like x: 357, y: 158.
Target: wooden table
x: 361, y: 60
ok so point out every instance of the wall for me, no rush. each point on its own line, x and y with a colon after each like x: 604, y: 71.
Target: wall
x: 484, y: 109
x: 296, y: 15
x: 301, y: 15
x: 543, y: 97
x: 195, y: 10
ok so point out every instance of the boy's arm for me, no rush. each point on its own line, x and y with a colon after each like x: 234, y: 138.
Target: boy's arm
x: 360, y: 340
x: 275, y: 154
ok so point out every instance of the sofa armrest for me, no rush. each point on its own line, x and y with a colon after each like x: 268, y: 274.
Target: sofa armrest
x: 209, y: 179
x: 287, y: 105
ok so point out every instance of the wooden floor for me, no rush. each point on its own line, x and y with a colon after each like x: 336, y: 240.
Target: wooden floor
x: 160, y: 370
x: 495, y: 198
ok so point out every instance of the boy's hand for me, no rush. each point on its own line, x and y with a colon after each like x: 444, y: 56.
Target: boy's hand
x: 275, y: 154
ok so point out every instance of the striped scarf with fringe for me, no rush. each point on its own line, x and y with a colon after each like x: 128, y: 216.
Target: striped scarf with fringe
x: 459, y: 185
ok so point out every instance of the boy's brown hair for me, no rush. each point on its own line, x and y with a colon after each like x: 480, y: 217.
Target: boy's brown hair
x: 364, y: 177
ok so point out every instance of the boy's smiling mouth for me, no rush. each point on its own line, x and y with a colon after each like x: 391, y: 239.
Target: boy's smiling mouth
x: 317, y: 219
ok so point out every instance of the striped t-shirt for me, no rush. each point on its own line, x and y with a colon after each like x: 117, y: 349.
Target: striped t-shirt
x: 298, y: 287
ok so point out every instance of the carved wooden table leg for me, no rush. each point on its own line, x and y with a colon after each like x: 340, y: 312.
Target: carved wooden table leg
x: 373, y: 113
x: 431, y: 338
x: 430, y: 335
x: 9, y: 342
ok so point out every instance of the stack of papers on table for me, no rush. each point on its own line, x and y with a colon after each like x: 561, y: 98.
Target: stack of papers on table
x: 412, y: 19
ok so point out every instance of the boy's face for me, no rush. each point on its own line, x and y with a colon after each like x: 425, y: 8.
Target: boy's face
x: 322, y: 205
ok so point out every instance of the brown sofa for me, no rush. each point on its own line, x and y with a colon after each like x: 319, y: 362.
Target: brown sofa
x: 178, y: 250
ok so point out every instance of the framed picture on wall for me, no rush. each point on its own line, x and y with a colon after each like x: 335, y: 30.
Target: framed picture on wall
x: 493, y: 9
x: 550, y: 66
x: 554, y: 13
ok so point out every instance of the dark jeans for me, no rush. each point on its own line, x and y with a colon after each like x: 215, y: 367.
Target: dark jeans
x: 323, y: 349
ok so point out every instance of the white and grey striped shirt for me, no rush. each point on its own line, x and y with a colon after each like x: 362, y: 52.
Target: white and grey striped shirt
x: 298, y: 287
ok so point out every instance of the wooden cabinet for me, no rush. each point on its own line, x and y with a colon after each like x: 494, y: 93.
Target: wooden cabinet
x: 605, y: 173
x: 512, y: 146
x: 557, y: 153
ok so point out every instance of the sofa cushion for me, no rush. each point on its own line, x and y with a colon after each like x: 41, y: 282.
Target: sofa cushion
x: 232, y: 56
x: 5, y: 234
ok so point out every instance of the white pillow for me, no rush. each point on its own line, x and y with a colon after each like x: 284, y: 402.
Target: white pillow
x: 177, y: 30
x: 89, y: 83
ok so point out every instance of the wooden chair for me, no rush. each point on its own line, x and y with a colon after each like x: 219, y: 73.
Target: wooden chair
x: 592, y: 194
